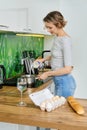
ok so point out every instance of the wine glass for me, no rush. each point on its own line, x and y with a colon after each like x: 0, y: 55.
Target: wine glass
x: 21, y: 86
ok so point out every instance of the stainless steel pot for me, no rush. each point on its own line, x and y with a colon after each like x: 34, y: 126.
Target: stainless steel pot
x: 31, y: 79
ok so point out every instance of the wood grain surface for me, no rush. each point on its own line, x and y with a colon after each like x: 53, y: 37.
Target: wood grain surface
x: 63, y: 118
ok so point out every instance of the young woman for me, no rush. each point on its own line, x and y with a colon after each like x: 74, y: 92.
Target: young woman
x: 61, y: 56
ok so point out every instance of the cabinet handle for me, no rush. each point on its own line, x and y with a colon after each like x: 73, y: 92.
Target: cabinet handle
x: 29, y: 29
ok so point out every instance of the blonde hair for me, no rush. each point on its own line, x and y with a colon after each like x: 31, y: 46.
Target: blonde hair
x: 56, y: 18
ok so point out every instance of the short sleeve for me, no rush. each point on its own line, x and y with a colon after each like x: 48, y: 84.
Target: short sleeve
x: 67, y: 52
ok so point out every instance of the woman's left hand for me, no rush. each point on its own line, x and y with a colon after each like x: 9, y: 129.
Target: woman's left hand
x: 43, y: 76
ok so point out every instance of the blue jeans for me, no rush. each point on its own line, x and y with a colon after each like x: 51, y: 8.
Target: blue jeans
x: 65, y: 85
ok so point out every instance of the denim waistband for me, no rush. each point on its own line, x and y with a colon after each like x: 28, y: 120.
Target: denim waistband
x: 63, y: 75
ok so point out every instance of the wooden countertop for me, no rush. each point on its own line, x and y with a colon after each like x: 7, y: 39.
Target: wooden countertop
x: 63, y: 118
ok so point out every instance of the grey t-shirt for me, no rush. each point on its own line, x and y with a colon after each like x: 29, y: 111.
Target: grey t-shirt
x: 61, y: 52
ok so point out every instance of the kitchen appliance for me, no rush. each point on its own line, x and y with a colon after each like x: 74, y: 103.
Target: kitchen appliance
x: 28, y: 59
x: 13, y: 82
x: 32, y: 81
x: 2, y: 75
x: 46, y: 53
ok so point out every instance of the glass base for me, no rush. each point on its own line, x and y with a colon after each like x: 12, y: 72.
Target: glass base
x: 21, y: 104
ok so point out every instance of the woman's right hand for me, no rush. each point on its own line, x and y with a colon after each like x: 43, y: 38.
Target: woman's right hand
x: 39, y: 60
x: 38, y: 63
x: 43, y: 59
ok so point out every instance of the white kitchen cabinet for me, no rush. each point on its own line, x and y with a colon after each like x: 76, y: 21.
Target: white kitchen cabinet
x: 13, y: 19
x: 37, y: 11
x: 25, y: 127
x: 8, y: 126
x: 26, y: 15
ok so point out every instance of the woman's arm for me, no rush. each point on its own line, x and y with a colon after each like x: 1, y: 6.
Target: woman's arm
x: 47, y: 58
x: 61, y: 71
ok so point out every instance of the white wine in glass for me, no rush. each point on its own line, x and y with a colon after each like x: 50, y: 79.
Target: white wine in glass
x: 21, y: 86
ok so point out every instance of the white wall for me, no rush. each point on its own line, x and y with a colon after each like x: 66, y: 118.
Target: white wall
x: 74, y: 12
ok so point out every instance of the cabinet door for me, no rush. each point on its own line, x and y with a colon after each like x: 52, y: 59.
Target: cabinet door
x: 8, y: 126
x: 37, y: 11
x: 13, y: 19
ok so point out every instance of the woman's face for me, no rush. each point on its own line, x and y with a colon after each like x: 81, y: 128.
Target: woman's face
x: 51, y: 28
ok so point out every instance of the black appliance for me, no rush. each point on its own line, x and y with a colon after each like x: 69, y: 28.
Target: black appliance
x: 44, y: 54
x: 45, y: 51
x: 28, y: 59
x: 13, y: 82
x: 2, y: 75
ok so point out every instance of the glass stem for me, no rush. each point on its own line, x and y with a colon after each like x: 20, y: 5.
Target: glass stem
x: 21, y: 96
